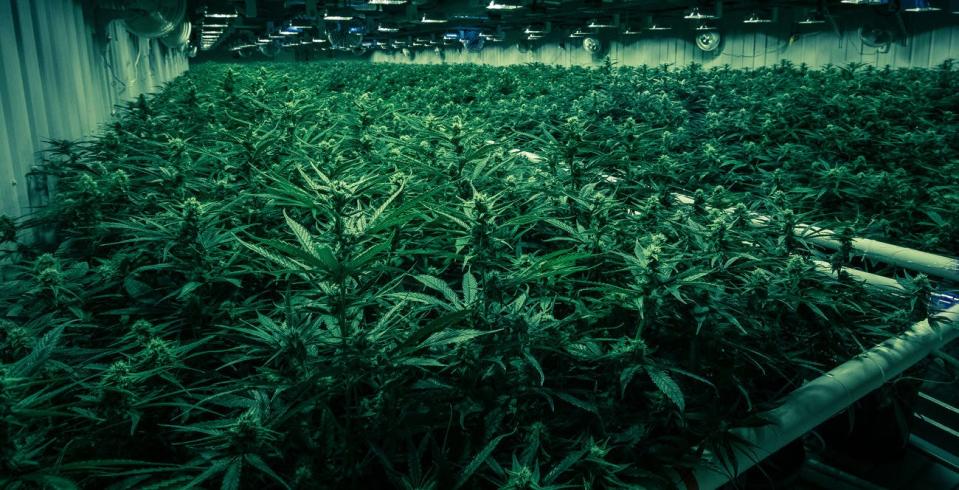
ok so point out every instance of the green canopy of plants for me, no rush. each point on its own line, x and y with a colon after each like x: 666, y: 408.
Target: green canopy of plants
x: 352, y: 276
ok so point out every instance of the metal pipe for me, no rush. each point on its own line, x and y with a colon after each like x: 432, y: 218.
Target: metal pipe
x: 823, y: 397
x: 874, y: 280
x: 907, y: 258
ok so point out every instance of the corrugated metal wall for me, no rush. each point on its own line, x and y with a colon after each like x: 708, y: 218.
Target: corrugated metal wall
x: 932, y: 39
x: 59, y: 79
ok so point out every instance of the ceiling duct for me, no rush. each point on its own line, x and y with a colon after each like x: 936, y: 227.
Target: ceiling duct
x: 148, y: 18
x: 179, y: 37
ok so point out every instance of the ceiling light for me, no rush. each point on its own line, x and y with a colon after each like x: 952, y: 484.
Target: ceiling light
x: 658, y: 27
x: 333, y: 16
x: 865, y: 2
x: 813, y: 19
x: 629, y: 31
x: 215, y: 25
x: 533, y: 37
x: 534, y: 30
x: 427, y: 20
x: 918, y: 6
x: 756, y: 19
x: 289, y: 33
x: 263, y: 40
x: 386, y: 2
x: 221, y: 16
x: 493, y: 5
x: 383, y: 28
x: 598, y: 24
x: 705, y: 27
x: 695, y: 14
x: 580, y: 33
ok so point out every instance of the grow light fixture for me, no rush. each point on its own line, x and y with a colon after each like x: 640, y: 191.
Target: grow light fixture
x: 215, y: 26
x: 813, y: 19
x: 275, y: 36
x: 695, y: 14
x: 451, y: 36
x: 533, y: 37
x: 289, y: 33
x: 864, y: 2
x: 580, y: 33
x: 705, y: 27
x: 494, y: 5
x: 603, y: 24
x: 536, y: 31
x: 221, y: 16
x: 318, y: 40
x: 658, y: 27
x: 629, y: 31
x: 918, y: 6
x: 386, y: 2
x: 428, y: 20
x: 754, y: 18
x: 263, y: 40
x: 334, y: 16
x: 385, y: 28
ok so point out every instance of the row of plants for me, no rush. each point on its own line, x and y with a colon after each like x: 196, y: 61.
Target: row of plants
x: 342, y: 276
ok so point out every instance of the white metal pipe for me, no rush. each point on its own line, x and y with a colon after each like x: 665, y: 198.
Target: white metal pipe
x: 823, y: 397
x: 907, y: 258
x: 874, y: 280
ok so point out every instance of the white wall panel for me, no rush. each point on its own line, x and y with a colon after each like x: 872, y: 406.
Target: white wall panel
x: 59, y: 79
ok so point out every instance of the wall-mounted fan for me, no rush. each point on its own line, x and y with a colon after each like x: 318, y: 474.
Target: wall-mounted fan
x: 472, y: 41
x: 876, y: 37
x: 152, y: 18
x: 270, y: 49
x: 708, y: 41
x: 592, y: 45
x: 178, y: 37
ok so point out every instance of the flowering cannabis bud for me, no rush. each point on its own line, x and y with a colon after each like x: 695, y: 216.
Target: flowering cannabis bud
x: 45, y: 261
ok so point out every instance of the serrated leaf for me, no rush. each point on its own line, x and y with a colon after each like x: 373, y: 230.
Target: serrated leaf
x: 564, y: 464
x: 302, y: 234
x: 479, y: 459
x: 535, y: 364
x: 576, y: 402
x: 438, y: 285
x: 625, y: 377
x: 231, y: 479
x: 456, y: 336
x: 666, y: 385
x: 470, y: 289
